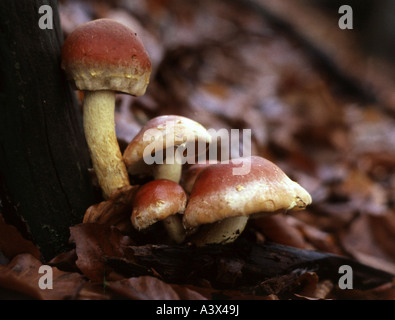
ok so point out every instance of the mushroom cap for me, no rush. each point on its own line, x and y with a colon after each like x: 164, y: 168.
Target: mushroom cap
x: 106, y: 55
x: 218, y: 193
x: 155, y: 201
x: 190, y: 174
x: 164, y: 132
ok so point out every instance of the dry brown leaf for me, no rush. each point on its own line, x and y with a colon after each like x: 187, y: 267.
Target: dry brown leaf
x: 383, y: 292
x: 383, y: 228
x: 323, y: 289
x: 308, y: 282
x: 277, y: 229
x: 370, y: 240
x: 94, y: 242
x: 115, y: 211
x: 12, y: 243
x: 319, y: 239
x: 151, y: 288
x: 364, y: 194
x: 22, y: 275
x: 65, y: 261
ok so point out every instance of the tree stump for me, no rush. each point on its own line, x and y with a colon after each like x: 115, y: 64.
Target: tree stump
x: 45, y: 186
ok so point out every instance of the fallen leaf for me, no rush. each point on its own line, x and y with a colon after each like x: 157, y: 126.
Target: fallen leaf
x: 319, y: 239
x: 151, y: 288
x: 307, y: 284
x: 12, y: 243
x: 277, y: 229
x: 383, y: 292
x: 364, y: 194
x: 93, y: 243
x: 65, y: 261
x: 23, y: 274
x: 370, y: 240
x: 323, y: 289
x: 115, y: 211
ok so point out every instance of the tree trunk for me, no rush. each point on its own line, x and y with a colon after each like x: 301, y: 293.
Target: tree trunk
x: 45, y: 186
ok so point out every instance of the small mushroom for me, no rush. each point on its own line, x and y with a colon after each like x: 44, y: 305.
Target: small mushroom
x: 161, y: 139
x: 102, y: 57
x: 222, y: 201
x: 160, y: 200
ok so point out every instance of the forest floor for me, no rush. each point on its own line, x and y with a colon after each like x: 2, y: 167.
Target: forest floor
x: 317, y: 105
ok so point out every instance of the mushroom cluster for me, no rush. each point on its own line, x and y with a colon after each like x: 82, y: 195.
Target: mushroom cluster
x: 205, y: 204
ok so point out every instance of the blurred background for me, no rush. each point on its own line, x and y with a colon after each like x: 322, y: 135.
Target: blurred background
x: 373, y: 23
x: 320, y: 102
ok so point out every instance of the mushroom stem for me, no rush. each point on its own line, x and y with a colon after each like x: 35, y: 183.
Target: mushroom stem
x: 221, y: 232
x: 174, y: 228
x: 173, y: 224
x: 99, y: 127
x: 169, y: 171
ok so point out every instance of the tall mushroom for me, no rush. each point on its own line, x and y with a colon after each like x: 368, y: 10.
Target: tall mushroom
x: 102, y: 57
x: 222, y: 200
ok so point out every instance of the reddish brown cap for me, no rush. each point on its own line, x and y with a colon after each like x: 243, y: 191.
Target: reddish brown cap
x: 219, y: 193
x: 190, y: 174
x: 106, y: 55
x: 155, y: 201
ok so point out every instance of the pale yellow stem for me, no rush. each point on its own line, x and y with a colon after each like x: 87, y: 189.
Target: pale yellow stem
x: 168, y: 171
x: 173, y: 224
x: 99, y: 127
x: 221, y: 232
x: 174, y: 228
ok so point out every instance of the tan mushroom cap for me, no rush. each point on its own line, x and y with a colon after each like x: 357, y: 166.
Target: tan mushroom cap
x: 106, y: 55
x: 163, y: 132
x: 157, y: 200
x: 218, y: 193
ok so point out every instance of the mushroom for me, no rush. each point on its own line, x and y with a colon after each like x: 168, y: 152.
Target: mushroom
x: 102, y: 57
x: 160, y: 200
x: 190, y: 174
x: 163, y: 141
x: 222, y: 201
x: 158, y: 149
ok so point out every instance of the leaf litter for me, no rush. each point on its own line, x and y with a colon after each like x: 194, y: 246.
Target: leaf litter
x: 251, y: 73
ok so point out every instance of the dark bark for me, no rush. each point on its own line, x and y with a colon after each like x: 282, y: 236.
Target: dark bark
x: 44, y: 182
x: 240, y: 265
